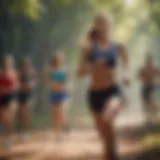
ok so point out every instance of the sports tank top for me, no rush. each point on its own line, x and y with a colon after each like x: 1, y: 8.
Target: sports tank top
x: 59, y: 76
x: 26, y: 77
x: 110, y: 54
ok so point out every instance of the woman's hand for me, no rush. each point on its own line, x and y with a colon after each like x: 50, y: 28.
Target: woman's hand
x: 125, y: 64
x: 126, y: 80
x: 84, y: 67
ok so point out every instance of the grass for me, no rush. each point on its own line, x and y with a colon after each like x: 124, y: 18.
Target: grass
x: 40, y: 120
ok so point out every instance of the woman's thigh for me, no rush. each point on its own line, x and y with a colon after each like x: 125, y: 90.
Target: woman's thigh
x: 113, y: 106
x: 99, y: 123
x: 5, y: 115
x: 57, y: 110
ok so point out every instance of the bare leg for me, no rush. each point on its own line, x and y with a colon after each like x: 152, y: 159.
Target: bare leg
x: 99, y: 124
x: 109, y: 143
x: 66, y: 125
x: 105, y: 130
x: 24, y: 116
x: 57, y: 118
x: 150, y: 113
x: 6, y: 121
x: 113, y: 108
x: 153, y: 109
x: 150, y: 110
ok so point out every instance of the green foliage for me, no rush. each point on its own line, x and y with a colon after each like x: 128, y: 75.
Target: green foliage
x: 29, y: 8
x: 153, y: 7
x: 38, y: 27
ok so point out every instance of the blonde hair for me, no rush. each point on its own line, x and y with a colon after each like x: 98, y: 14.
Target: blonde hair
x: 92, y: 34
x: 105, y: 15
x: 56, y: 55
x: 7, y: 59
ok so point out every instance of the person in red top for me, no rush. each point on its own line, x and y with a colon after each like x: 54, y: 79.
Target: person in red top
x: 8, y: 88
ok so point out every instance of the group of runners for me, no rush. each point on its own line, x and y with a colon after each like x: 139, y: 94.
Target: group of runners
x: 99, y: 58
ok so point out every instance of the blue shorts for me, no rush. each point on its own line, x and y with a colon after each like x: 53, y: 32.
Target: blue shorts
x: 58, y: 97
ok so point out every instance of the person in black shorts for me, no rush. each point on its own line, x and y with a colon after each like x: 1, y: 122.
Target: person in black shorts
x: 99, y: 59
x: 148, y: 74
x: 27, y: 78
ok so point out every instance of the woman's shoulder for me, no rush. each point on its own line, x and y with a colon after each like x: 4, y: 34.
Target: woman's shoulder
x: 86, y: 45
x: 9, y: 74
x: 119, y: 45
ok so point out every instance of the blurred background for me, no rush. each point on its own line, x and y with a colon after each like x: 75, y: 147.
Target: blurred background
x: 38, y: 27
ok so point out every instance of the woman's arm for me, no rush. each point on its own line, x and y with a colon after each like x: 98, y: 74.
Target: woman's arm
x: 125, y: 64
x: 140, y: 73
x: 84, y: 67
x: 158, y: 72
x: 157, y: 75
x: 69, y: 83
x: 16, y: 80
x: 34, y: 78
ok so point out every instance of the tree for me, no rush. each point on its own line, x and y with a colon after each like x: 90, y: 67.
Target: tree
x: 13, y: 13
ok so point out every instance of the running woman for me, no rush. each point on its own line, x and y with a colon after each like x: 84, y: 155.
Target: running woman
x: 57, y: 79
x: 27, y: 78
x: 148, y: 74
x: 8, y: 89
x: 99, y: 59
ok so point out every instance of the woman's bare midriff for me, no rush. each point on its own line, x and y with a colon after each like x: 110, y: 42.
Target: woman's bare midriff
x: 148, y: 79
x: 102, y: 78
x: 148, y: 82
x: 58, y: 86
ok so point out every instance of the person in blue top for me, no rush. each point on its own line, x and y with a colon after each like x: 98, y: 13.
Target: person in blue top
x: 57, y: 79
x: 99, y: 59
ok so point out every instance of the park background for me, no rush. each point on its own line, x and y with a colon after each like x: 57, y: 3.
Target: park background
x: 37, y: 28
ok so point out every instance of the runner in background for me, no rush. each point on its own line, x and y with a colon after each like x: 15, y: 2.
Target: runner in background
x: 148, y: 76
x: 57, y: 77
x: 28, y: 80
x: 8, y: 90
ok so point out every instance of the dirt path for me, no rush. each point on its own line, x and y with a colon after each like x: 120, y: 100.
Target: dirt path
x: 79, y: 145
